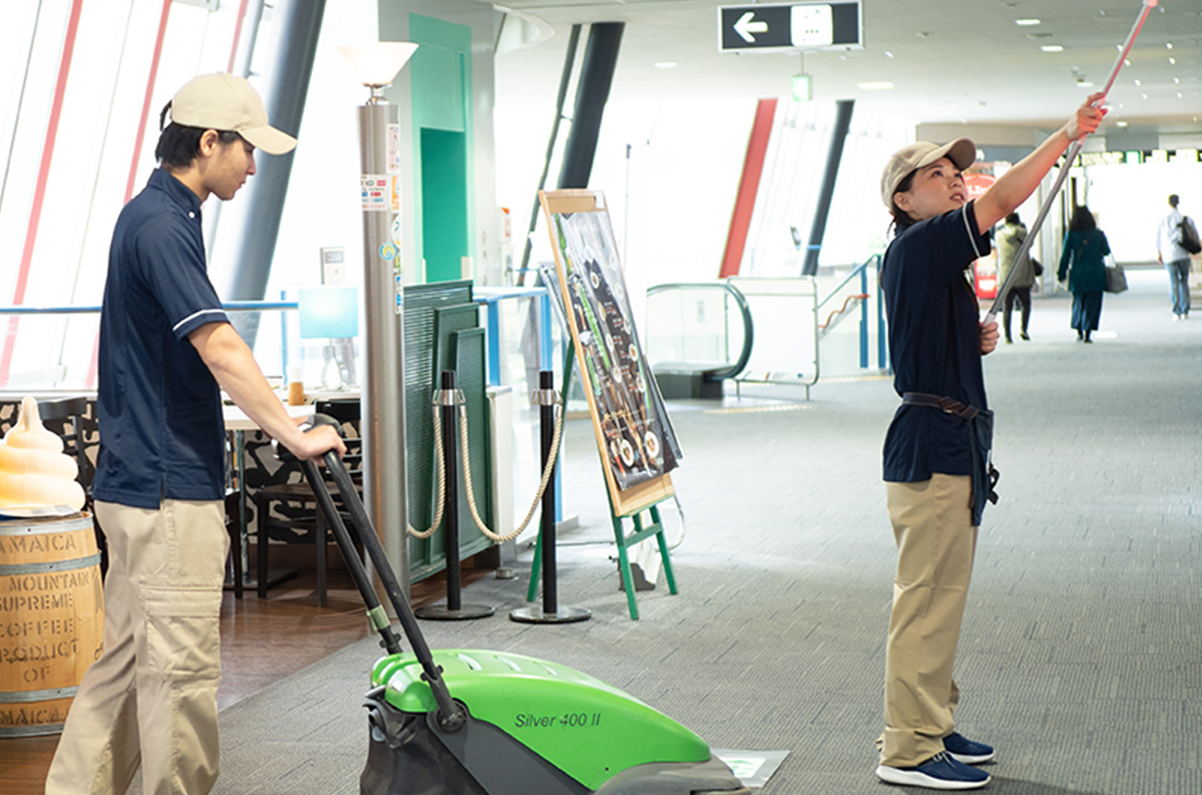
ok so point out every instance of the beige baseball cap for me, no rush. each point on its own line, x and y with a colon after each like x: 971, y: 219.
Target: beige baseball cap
x: 961, y: 151
x: 224, y: 102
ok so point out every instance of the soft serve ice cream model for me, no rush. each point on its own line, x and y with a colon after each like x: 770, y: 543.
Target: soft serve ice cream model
x: 34, y: 471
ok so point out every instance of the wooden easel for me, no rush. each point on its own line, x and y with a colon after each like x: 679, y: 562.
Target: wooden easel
x: 640, y: 499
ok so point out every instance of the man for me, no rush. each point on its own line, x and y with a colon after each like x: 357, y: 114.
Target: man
x: 1174, y: 258
x: 166, y: 351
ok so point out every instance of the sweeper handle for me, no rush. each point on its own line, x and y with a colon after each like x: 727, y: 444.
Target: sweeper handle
x: 1069, y: 157
x: 451, y: 715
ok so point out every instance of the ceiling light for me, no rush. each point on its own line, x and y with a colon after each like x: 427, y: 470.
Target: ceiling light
x: 1173, y: 61
x: 888, y: 54
x: 1052, y: 48
x: 1120, y: 124
x: 1137, y: 82
x: 880, y: 85
x: 1084, y: 84
x: 666, y: 65
x: 1168, y: 44
x: 1026, y: 22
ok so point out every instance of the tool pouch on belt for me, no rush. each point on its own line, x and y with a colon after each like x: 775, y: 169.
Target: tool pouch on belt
x: 980, y: 424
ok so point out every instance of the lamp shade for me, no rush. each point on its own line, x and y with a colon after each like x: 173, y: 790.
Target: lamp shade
x: 376, y: 64
x: 329, y: 312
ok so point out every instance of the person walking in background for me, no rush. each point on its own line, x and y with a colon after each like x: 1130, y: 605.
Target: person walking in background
x: 1083, y: 263
x: 1174, y: 258
x: 1009, y: 240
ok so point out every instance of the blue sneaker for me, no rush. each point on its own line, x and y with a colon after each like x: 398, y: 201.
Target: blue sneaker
x: 941, y: 771
x: 965, y: 750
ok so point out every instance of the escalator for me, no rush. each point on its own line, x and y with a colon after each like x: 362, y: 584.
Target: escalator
x: 697, y: 336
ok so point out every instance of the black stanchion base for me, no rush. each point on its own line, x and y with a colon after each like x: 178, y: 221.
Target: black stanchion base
x: 444, y: 613
x: 535, y: 615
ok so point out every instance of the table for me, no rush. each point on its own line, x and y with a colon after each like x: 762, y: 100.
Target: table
x: 237, y: 424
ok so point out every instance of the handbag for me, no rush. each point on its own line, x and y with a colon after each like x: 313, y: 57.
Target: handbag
x: 1038, y: 268
x: 1116, y: 279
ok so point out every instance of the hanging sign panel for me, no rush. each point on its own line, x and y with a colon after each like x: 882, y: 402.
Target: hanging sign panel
x: 792, y: 26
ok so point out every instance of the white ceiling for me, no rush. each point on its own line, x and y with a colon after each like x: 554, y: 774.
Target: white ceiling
x: 949, y: 60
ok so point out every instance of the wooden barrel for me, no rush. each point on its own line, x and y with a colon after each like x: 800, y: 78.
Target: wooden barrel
x: 51, y: 619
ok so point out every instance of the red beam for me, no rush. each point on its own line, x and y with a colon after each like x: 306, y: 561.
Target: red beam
x: 39, y: 195
x: 749, y: 185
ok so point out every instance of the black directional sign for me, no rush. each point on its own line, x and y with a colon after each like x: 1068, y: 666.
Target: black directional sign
x: 793, y: 26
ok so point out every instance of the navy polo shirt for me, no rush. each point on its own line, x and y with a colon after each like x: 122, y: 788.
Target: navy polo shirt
x: 934, y: 342
x: 159, y: 407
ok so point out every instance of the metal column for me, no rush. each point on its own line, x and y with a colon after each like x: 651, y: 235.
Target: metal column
x: 383, y: 398
x: 300, y: 28
x: 844, y: 107
x: 592, y: 91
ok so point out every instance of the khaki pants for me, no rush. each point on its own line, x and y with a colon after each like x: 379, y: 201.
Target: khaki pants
x: 932, y: 523
x: 151, y: 699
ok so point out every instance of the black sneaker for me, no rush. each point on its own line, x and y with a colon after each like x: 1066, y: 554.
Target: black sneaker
x: 965, y: 750
x: 941, y: 771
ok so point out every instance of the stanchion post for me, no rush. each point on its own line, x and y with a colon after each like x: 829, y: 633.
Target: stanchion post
x: 448, y: 399
x: 550, y: 612
x: 546, y: 422
x: 450, y: 527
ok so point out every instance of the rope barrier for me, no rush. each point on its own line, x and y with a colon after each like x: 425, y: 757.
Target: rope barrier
x: 467, y: 472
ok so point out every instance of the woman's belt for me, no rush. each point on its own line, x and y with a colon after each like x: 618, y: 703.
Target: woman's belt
x: 946, y: 404
x: 984, y: 475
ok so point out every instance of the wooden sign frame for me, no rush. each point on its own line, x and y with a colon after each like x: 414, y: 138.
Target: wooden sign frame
x: 647, y: 491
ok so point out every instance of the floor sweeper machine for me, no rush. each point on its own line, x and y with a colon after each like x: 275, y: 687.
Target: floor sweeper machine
x: 473, y: 722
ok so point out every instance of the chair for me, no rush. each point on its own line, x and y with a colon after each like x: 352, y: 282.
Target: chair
x: 299, y: 507
x: 64, y: 416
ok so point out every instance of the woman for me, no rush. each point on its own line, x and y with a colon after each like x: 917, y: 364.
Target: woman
x: 1082, y: 261
x: 1010, y: 240
x: 936, y: 452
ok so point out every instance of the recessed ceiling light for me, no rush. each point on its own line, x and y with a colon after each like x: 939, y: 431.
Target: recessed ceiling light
x: 1173, y: 61
x: 1052, y: 48
x: 880, y: 85
x: 1168, y: 44
x: 1026, y: 22
x: 888, y: 54
x: 666, y: 65
x: 1120, y: 124
x: 1084, y: 84
x: 1137, y: 82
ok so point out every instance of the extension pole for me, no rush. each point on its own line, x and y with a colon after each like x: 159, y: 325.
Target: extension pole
x: 551, y: 612
x: 453, y: 610
x: 1069, y: 157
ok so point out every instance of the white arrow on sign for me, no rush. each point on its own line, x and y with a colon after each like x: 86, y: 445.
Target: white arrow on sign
x: 745, y: 27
